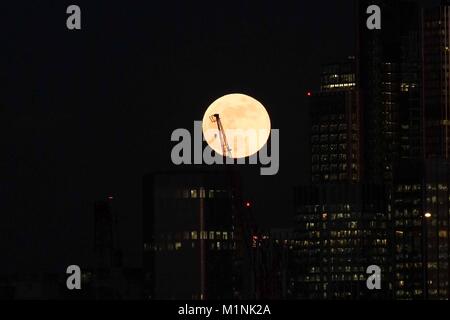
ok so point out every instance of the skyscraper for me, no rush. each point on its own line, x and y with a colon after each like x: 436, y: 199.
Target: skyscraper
x: 389, y: 82
x: 420, y: 191
x: 342, y: 230
x: 189, y: 235
x: 421, y: 227
x: 436, y: 89
x: 335, y: 126
x: 341, y: 223
x: 345, y: 226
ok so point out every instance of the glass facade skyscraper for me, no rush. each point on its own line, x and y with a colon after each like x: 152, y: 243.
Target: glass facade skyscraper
x: 395, y: 212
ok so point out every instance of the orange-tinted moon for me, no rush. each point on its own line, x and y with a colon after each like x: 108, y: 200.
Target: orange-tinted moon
x: 245, y: 121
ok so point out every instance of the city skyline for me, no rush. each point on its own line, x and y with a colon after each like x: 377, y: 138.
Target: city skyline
x: 86, y: 115
x: 363, y: 175
x: 379, y: 193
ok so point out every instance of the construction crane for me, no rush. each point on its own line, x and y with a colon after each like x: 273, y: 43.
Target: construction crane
x: 226, y: 150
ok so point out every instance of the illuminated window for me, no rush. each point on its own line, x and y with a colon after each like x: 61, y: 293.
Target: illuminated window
x: 177, y: 245
x: 211, y: 194
x: 202, y: 193
x: 432, y: 266
x: 194, y: 193
x: 194, y: 235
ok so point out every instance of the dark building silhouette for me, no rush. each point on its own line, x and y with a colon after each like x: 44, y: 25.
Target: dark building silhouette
x: 106, y: 236
x: 106, y: 279
x: 388, y: 80
x: 420, y: 191
x: 335, y: 126
x: 341, y: 223
x: 436, y: 97
x: 190, y: 236
x: 395, y: 216
x: 273, y: 264
x: 421, y: 227
x: 342, y: 229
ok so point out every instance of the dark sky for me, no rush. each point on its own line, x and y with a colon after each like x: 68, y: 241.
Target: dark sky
x: 85, y: 114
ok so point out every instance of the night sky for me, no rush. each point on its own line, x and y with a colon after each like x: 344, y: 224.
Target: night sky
x: 85, y: 114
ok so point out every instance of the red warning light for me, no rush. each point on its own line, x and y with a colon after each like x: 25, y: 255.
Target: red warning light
x: 248, y: 204
x: 110, y: 198
x: 309, y: 94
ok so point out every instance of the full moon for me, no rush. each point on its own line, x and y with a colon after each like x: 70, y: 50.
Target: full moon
x: 245, y: 125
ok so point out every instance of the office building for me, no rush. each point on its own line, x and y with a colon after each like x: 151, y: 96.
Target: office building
x: 335, y: 126
x: 190, y: 239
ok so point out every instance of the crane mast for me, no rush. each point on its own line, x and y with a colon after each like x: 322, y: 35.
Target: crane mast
x: 226, y: 150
